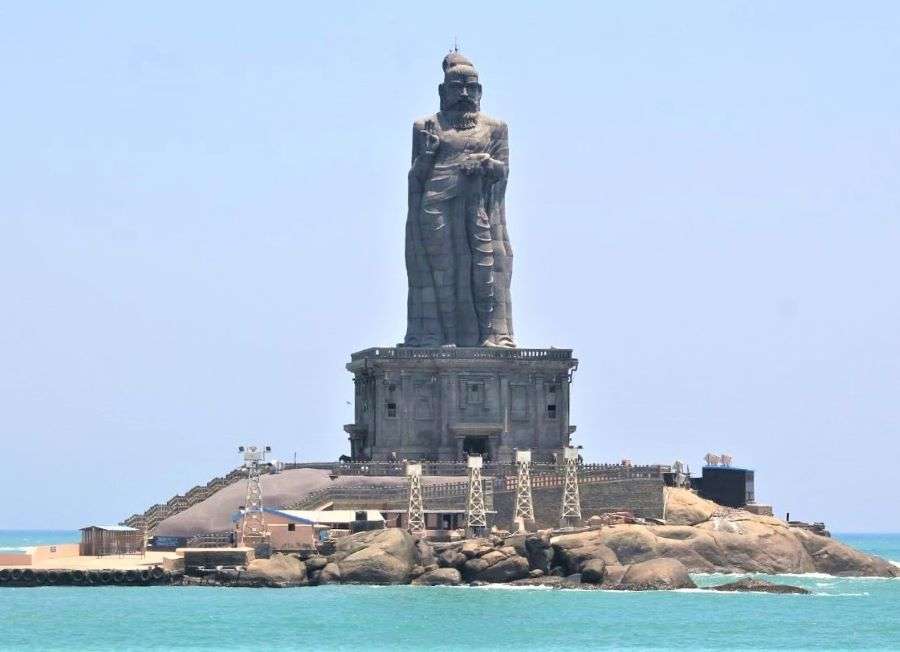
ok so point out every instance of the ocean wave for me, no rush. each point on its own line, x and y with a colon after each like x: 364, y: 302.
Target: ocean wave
x: 811, y: 576
x: 842, y: 595
x: 507, y: 587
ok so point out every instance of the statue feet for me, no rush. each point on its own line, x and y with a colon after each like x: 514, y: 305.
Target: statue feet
x: 499, y: 342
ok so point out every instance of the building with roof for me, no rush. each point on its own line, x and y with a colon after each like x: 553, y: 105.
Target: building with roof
x: 291, y: 529
x: 99, y: 540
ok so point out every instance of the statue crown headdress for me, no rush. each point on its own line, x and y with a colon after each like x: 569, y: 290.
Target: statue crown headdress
x: 457, y: 63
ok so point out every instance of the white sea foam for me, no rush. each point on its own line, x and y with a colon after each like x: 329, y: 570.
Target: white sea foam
x: 812, y: 576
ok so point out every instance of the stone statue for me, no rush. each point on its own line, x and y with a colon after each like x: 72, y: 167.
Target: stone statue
x: 458, y: 257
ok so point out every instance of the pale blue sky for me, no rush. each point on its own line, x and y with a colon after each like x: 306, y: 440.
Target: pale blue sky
x: 203, y: 206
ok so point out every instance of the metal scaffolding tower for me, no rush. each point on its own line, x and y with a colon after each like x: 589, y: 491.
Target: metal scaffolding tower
x: 253, y: 526
x: 416, y: 513
x: 524, y: 504
x: 476, y: 518
x: 571, y: 500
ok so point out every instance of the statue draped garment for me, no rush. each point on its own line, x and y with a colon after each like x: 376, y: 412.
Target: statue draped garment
x: 458, y: 256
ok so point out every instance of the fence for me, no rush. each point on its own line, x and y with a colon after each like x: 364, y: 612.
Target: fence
x: 496, y: 469
x: 542, y: 475
x: 462, y: 353
x: 161, y: 511
x: 389, y: 493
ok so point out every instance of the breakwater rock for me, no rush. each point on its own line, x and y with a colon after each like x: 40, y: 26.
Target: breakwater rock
x: 100, y: 577
x: 759, y: 586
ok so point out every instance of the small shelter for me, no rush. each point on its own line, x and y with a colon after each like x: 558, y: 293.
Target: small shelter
x: 99, y: 540
x: 287, y: 530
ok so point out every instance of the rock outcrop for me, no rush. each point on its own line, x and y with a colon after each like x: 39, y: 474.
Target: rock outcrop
x: 439, y: 577
x: 699, y: 536
x: 728, y: 541
x: 656, y: 574
x: 762, y: 586
x: 835, y: 558
x: 376, y: 557
x: 277, y: 571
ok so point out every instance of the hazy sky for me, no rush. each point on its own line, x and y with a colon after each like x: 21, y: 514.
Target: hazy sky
x: 203, y: 206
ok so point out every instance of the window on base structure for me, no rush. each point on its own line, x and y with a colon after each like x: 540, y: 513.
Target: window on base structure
x: 391, y: 410
x: 552, y: 389
x: 475, y: 393
x: 551, y: 411
x: 292, y: 527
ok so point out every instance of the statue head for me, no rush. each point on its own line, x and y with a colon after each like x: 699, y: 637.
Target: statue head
x: 460, y: 91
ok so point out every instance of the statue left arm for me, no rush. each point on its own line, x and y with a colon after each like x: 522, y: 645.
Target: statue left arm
x: 497, y: 166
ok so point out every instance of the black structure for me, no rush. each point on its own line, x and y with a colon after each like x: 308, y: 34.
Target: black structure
x: 727, y: 485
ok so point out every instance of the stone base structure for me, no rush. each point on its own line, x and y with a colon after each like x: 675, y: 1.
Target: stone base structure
x: 444, y: 403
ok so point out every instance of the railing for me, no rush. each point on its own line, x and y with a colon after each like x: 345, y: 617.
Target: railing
x: 398, y: 492
x: 496, y: 469
x: 508, y: 483
x: 542, y: 475
x: 221, y: 539
x: 461, y: 353
x: 161, y: 511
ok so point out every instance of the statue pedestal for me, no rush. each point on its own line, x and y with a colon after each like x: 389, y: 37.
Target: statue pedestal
x: 443, y: 403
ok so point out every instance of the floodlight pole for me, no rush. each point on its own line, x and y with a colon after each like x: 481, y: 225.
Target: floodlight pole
x: 415, y: 513
x: 524, y: 503
x: 253, y: 526
x: 476, y: 517
x: 570, y: 514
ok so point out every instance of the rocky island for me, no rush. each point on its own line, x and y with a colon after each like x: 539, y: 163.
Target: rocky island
x: 700, y: 537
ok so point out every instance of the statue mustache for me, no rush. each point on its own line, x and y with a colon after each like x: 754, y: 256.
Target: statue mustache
x: 464, y: 103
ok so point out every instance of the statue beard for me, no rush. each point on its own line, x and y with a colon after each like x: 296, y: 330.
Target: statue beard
x: 462, y: 114
x: 465, y: 119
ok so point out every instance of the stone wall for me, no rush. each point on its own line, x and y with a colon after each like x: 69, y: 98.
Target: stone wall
x: 643, y: 497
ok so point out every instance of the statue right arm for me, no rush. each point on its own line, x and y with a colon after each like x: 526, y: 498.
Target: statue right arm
x: 422, y: 155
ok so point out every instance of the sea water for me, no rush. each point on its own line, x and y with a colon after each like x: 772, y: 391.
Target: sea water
x: 842, y: 613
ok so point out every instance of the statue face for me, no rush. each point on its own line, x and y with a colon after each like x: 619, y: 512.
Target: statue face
x: 460, y: 93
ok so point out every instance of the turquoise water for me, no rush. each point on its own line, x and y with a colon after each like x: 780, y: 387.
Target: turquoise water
x: 19, y: 539
x: 843, y: 613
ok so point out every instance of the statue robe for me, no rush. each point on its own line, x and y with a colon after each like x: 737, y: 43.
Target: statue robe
x: 458, y: 256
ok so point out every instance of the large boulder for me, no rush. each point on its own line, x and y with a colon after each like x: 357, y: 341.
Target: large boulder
x: 331, y: 574
x: 684, y: 507
x: 495, y: 567
x: 709, y: 538
x: 656, y: 574
x: 538, y: 551
x: 718, y: 545
x: 315, y: 563
x: 425, y: 553
x: 593, y: 571
x: 376, y: 557
x: 836, y: 558
x: 574, y: 550
x: 439, y: 577
x: 473, y: 568
x: 451, y: 558
x: 277, y: 571
x: 476, y: 547
x: 505, y: 570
